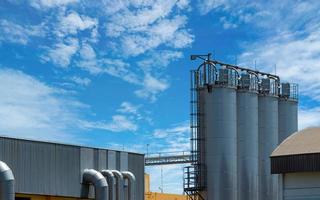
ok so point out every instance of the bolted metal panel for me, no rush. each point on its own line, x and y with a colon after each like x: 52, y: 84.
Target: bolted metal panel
x: 247, y: 145
x: 288, y: 118
x: 268, y: 140
x: 220, y: 133
x: 136, y: 166
x: 112, y: 160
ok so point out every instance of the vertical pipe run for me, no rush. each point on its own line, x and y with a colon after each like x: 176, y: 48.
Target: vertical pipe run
x: 6, y: 182
x: 119, y: 184
x: 132, y: 184
x: 111, y: 183
x: 91, y: 176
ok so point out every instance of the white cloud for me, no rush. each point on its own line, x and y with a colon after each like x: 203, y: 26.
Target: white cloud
x: 176, y: 138
x: 119, y: 123
x: 128, y: 108
x: 30, y: 108
x: 159, y: 59
x: 72, y: 23
x: 33, y: 109
x: 309, y: 117
x: 151, y: 87
x: 41, y: 4
x: 62, y: 52
x: 80, y: 81
x: 206, y: 6
x: 149, y: 26
x: 295, y: 56
x: 227, y: 24
x: 168, y: 32
x: 15, y: 33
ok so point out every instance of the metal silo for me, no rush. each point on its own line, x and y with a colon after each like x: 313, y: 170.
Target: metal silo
x: 268, y: 140
x: 247, y: 147
x: 288, y: 111
x: 220, y: 119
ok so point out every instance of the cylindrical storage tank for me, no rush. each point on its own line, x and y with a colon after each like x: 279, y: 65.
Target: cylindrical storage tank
x: 288, y: 118
x: 268, y: 140
x: 247, y: 147
x: 220, y: 132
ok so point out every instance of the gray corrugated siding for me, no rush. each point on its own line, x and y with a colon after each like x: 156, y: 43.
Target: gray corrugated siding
x: 56, y: 169
x: 295, y: 163
x: 136, y: 166
x: 301, y: 186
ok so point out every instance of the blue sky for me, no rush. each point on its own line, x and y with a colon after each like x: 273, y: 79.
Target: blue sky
x: 115, y: 74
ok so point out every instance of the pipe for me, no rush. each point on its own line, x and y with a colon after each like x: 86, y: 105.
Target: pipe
x: 100, y: 183
x: 111, y: 183
x: 119, y: 185
x: 6, y: 182
x: 132, y: 183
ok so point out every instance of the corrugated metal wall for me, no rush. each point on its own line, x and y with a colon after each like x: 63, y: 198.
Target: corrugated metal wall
x: 56, y: 169
x: 301, y: 186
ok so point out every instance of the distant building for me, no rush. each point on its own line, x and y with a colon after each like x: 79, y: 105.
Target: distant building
x: 159, y: 196
x: 297, y: 159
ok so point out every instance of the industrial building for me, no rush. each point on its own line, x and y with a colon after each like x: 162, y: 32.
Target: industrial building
x: 37, y: 170
x: 297, y: 160
x: 238, y: 117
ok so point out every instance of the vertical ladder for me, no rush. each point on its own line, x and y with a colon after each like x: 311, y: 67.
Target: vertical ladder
x: 193, y: 174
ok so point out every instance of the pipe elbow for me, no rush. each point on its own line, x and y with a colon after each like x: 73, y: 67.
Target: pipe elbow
x: 6, y: 182
x: 132, y: 184
x: 129, y: 175
x: 100, y: 183
x: 111, y: 182
x: 109, y: 175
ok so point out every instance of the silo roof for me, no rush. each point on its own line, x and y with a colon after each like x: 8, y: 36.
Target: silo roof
x: 306, y: 141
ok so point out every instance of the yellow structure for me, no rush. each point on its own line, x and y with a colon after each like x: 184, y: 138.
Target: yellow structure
x: 157, y: 195
x: 40, y: 197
